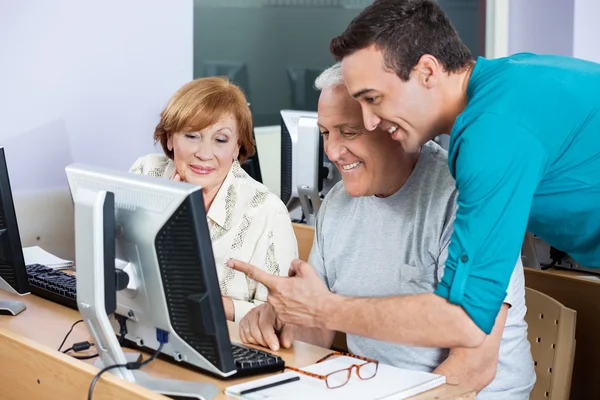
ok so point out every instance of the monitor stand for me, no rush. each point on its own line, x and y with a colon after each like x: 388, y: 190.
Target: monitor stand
x: 11, y: 307
x: 168, y: 387
x: 89, y: 206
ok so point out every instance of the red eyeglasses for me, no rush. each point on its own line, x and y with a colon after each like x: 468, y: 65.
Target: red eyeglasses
x: 339, y: 378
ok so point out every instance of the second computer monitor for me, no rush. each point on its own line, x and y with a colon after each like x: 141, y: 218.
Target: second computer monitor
x: 307, y: 174
x: 13, y: 275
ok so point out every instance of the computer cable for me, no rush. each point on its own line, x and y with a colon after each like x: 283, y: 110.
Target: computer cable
x: 556, y: 256
x: 68, y: 333
x: 122, y: 327
x: 81, y: 346
x: 161, y: 336
x: 85, y: 357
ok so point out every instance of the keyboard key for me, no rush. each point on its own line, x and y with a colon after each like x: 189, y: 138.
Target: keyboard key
x: 56, y: 286
x: 251, y: 361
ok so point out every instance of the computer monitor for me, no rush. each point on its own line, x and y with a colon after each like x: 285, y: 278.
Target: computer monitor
x: 304, y: 96
x: 307, y: 174
x: 164, y: 247
x: 235, y: 71
x: 13, y: 275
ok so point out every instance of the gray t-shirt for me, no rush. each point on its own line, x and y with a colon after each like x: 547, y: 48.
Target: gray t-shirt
x: 375, y: 247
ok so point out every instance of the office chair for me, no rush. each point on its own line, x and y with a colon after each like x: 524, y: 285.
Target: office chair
x: 551, y: 333
x: 252, y: 164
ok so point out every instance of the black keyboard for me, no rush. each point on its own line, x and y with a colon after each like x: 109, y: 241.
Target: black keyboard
x: 56, y: 286
x: 250, y: 361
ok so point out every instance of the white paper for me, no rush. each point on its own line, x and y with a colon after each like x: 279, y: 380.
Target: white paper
x: 37, y: 255
x: 390, y: 382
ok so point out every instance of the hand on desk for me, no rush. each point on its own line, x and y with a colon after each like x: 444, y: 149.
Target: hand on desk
x: 301, y: 298
x: 262, y: 327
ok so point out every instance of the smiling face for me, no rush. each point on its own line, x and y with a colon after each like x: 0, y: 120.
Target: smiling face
x: 205, y: 157
x: 410, y: 111
x: 371, y: 163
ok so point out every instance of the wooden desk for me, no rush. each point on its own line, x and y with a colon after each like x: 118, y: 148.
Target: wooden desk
x: 31, y: 368
x: 582, y: 295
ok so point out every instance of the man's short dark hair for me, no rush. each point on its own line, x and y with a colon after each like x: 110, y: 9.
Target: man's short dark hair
x: 404, y: 30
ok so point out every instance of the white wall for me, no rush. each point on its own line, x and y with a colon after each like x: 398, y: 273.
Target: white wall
x: 82, y: 81
x: 85, y: 81
x: 541, y: 26
x: 586, y: 30
x: 567, y: 27
x: 268, y: 145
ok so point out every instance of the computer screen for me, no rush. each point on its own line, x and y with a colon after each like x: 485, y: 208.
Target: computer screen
x: 162, y: 243
x: 13, y: 275
x: 307, y: 174
x: 304, y: 96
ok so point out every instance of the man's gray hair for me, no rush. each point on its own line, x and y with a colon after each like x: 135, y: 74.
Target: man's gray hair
x: 331, y: 77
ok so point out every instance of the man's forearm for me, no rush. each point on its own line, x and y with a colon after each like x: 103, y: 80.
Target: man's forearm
x: 421, y: 320
x: 317, y: 336
x: 475, y: 368
x: 459, y: 370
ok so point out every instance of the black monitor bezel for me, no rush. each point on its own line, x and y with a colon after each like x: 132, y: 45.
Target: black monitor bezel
x: 12, y: 268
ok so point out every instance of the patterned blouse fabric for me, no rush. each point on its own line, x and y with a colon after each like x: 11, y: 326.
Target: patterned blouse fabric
x: 246, y: 222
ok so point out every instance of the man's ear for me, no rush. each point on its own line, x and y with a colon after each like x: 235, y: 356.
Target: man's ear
x: 428, y: 70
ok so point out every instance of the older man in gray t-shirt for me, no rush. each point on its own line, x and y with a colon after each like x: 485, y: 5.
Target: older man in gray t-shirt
x: 384, y: 232
x: 371, y: 246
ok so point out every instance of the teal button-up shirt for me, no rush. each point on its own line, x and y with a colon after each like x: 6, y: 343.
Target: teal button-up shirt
x: 525, y: 154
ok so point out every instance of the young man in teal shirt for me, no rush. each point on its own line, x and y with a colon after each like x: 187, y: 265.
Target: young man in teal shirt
x: 524, y: 139
x: 524, y: 151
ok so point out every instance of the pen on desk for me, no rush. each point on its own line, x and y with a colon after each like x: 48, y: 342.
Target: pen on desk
x: 270, y: 385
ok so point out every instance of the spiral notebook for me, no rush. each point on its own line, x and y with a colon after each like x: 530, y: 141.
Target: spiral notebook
x: 37, y: 255
x: 390, y: 383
